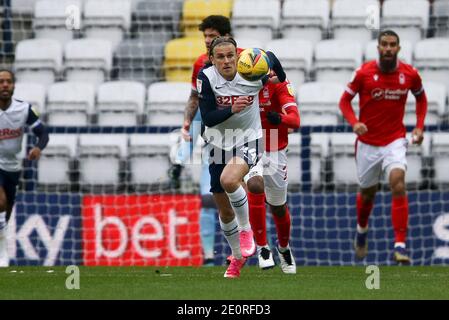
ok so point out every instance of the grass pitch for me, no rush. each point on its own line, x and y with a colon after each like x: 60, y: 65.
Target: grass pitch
x: 188, y: 283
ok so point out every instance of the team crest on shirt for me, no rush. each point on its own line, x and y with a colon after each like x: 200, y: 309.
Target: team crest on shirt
x: 199, y: 84
x: 376, y: 77
x: 401, y: 78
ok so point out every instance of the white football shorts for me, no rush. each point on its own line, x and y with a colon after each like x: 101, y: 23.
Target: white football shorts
x: 372, y: 161
x: 273, y: 169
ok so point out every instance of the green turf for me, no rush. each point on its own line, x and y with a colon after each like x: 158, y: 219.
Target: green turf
x: 208, y: 283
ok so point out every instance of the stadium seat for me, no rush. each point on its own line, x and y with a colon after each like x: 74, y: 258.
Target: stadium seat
x: 88, y: 60
x: 294, y: 167
x: 157, y: 17
x: 342, y: 151
x: 319, y: 154
x: 50, y: 18
x: 180, y: 54
x: 432, y: 60
x: 107, y: 19
x: 70, y: 103
x: 38, y: 61
x: 409, y: 18
x: 33, y: 93
x: 440, y: 18
x: 440, y: 154
x: 56, y: 162
x: 305, y: 19
x: 249, y: 43
x: 21, y: 7
x: 405, y: 54
x: 318, y: 102
x: 139, y: 60
x: 120, y: 103
x: 101, y: 159
x: 296, y: 58
x: 194, y: 11
x: 436, y: 105
x: 256, y: 19
x: 336, y: 60
x: 349, y: 19
x: 148, y: 151
x: 166, y: 102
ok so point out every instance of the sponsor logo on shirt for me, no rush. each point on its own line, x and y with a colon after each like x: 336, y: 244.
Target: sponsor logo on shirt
x: 388, y: 94
x: 10, y: 133
x: 227, y: 101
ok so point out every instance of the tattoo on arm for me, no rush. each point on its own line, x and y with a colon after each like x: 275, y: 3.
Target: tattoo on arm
x: 192, y: 107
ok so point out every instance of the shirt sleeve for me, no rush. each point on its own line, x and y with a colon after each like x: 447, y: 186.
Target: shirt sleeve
x: 417, y: 87
x: 33, y: 117
x: 210, y: 115
x: 354, y: 85
x: 38, y: 128
x: 286, y: 99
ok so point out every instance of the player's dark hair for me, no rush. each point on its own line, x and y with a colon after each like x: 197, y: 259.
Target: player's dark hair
x: 217, y: 22
x: 387, y: 33
x: 220, y: 40
x: 13, y: 76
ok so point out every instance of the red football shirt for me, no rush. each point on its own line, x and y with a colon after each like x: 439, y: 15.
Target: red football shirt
x: 382, y: 100
x: 280, y: 98
x: 199, y: 63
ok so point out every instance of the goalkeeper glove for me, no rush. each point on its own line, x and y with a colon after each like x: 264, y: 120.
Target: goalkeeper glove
x: 274, y: 117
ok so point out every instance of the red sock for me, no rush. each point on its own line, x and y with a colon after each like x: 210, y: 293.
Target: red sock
x: 257, y: 217
x: 363, y: 211
x: 283, y: 228
x: 399, y: 217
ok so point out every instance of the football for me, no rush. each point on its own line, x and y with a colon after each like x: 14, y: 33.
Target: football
x: 253, y: 64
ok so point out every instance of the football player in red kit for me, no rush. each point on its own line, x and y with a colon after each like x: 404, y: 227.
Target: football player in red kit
x: 279, y: 113
x: 381, y: 146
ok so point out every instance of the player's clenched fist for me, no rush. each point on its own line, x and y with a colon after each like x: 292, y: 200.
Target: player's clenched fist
x: 240, y: 104
x: 34, y: 154
x: 360, y: 128
x: 417, y: 136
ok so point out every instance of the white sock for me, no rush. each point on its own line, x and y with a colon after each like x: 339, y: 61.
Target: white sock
x: 231, y: 233
x: 399, y: 244
x: 362, y: 230
x: 4, y: 261
x: 239, y: 203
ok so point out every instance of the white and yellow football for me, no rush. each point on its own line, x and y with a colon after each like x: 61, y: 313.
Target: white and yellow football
x: 253, y: 64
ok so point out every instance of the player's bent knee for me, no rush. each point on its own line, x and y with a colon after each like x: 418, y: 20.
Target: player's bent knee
x: 255, y: 185
x: 229, y: 183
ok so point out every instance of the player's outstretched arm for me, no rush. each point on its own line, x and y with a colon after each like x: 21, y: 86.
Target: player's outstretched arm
x: 421, y: 110
x: 42, y: 135
x: 189, y: 113
x: 40, y: 131
x: 276, y: 66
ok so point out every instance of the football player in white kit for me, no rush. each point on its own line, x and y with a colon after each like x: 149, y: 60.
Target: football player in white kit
x: 230, y: 111
x: 15, y: 115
